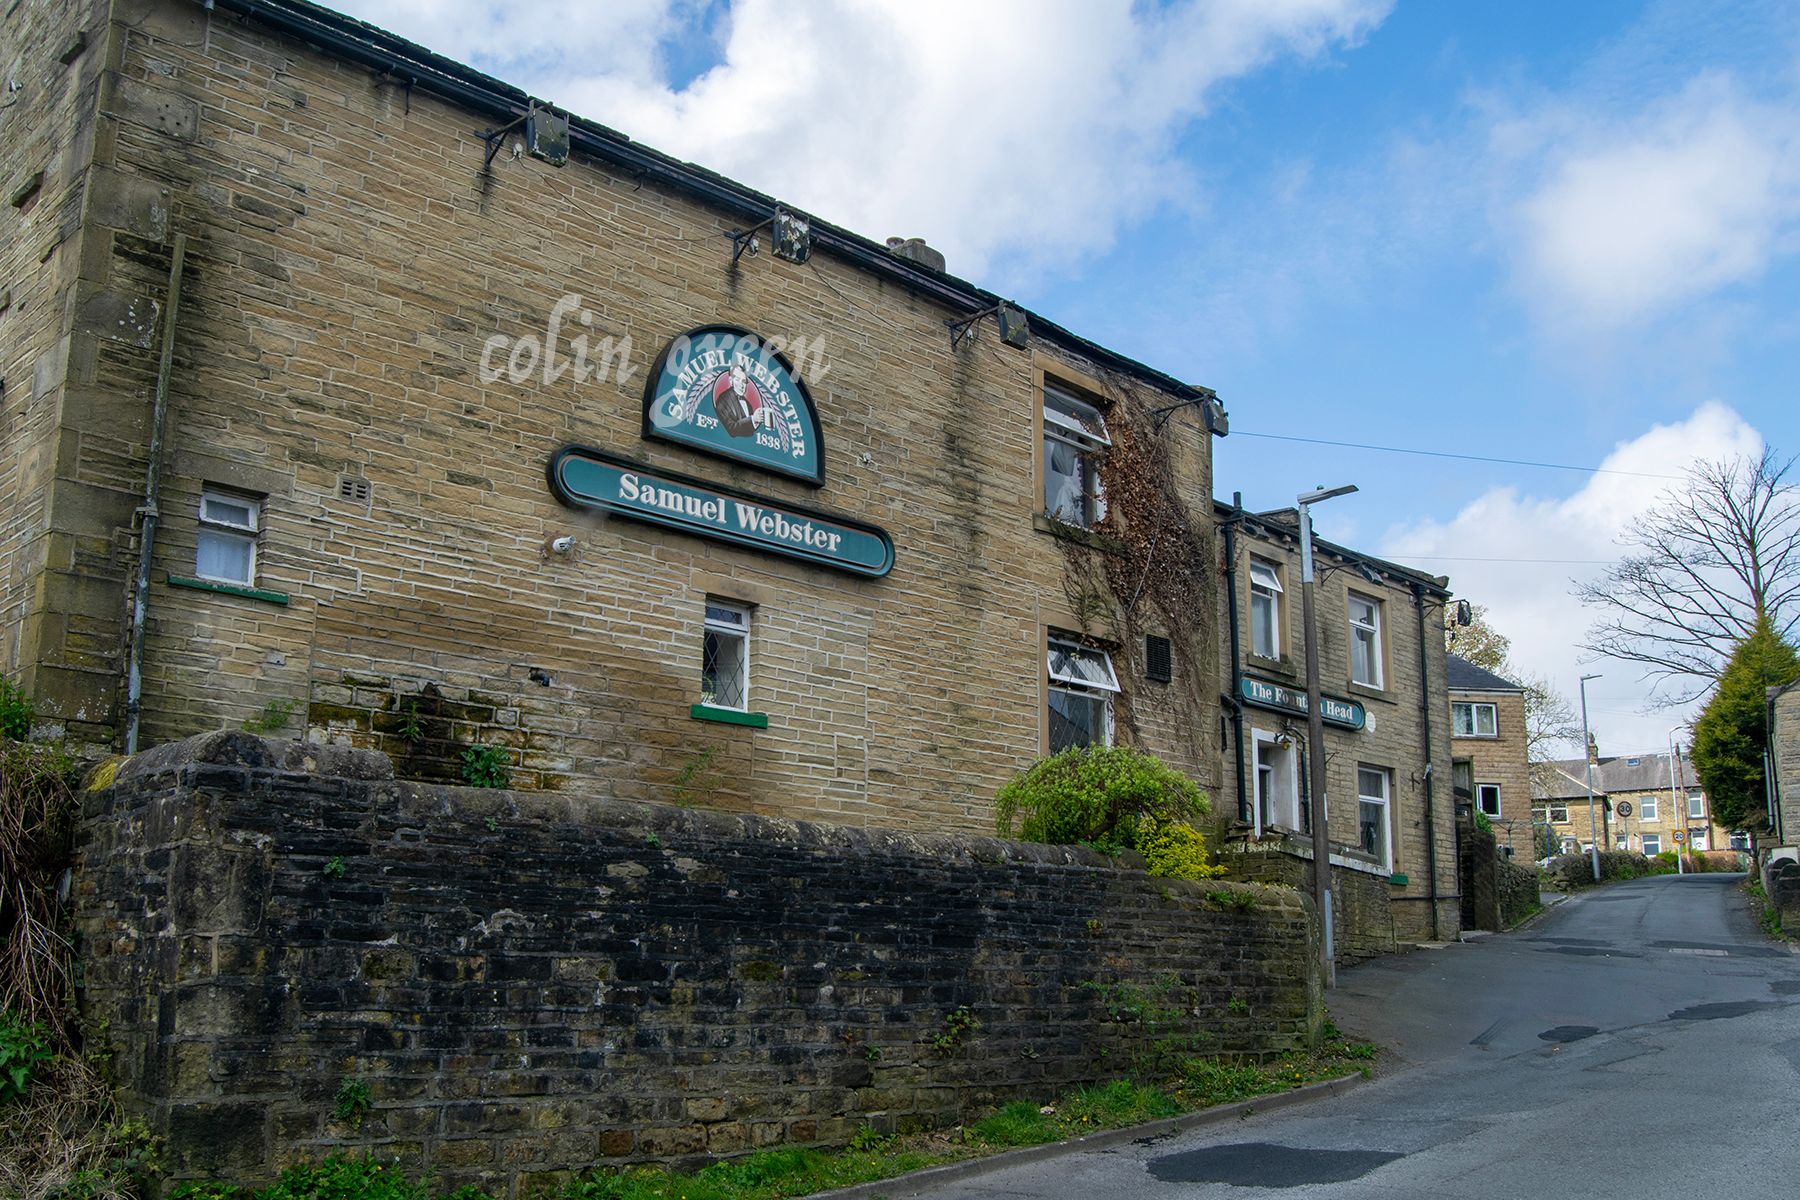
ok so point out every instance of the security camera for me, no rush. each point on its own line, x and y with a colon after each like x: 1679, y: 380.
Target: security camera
x: 562, y: 545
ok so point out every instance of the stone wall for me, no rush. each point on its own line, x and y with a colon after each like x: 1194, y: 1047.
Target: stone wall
x: 1784, y: 745
x: 1363, y: 925
x: 532, y: 983
x: 1518, y: 888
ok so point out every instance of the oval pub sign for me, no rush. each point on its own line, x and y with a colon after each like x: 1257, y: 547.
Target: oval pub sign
x: 729, y: 392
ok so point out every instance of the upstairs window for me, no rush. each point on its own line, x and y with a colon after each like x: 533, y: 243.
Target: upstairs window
x: 1559, y: 814
x: 1647, y: 808
x: 725, y: 656
x: 1074, y: 441
x: 1265, y: 609
x: 1082, y: 687
x: 225, y: 547
x: 1365, y: 641
x: 1696, y: 807
x: 1475, y: 720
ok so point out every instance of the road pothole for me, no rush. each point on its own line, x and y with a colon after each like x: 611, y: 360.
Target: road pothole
x: 1718, y: 1012
x: 1568, y: 1033
x: 1587, y: 951
x: 1785, y: 987
x: 1265, y: 1165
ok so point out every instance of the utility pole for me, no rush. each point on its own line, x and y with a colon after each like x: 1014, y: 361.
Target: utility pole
x: 1315, y: 734
x: 1587, y: 753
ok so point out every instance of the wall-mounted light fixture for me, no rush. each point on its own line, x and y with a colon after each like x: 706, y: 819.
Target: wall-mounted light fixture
x: 1009, y: 319
x: 563, y: 546
x: 1212, y: 412
x: 790, y: 237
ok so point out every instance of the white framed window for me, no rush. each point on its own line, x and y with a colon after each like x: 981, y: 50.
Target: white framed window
x: 1365, y: 641
x: 1647, y: 809
x: 1074, y: 440
x: 1559, y: 814
x: 1740, y: 840
x: 1474, y: 720
x: 1277, y: 781
x: 1265, y: 609
x: 1081, y: 691
x: 1696, y: 807
x: 1652, y: 843
x: 225, y: 546
x: 1487, y: 799
x: 725, y: 656
x: 1373, y: 786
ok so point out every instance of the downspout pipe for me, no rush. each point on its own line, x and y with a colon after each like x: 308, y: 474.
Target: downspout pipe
x: 147, y: 515
x: 1237, y: 657
x: 1431, y: 868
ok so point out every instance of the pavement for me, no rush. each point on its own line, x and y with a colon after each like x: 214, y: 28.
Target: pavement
x: 1641, y: 1040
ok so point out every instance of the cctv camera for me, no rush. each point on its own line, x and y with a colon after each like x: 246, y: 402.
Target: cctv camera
x: 562, y: 545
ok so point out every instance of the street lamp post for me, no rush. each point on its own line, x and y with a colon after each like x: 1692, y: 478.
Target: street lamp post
x: 1676, y: 808
x: 1315, y: 734
x: 1587, y: 755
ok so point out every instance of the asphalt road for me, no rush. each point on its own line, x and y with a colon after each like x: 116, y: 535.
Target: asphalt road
x: 1641, y: 1040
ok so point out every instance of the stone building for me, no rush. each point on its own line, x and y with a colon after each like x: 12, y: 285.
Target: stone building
x: 1492, y: 761
x: 1388, y: 747
x: 453, y: 427
x: 1784, y: 753
x: 1642, y: 802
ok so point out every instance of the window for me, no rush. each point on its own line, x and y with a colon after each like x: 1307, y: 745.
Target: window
x: 1277, y: 782
x: 1647, y: 809
x: 1365, y: 641
x: 1559, y: 814
x: 725, y: 656
x: 225, y: 547
x: 1697, y: 839
x: 1265, y: 609
x: 1696, y: 807
x: 1474, y: 720
x: 1082, y: 685
x: 1652, y: 843
x: 1074, y: 439
x: 1372, y: 812
x: 1740, y: 840
x: 1487, y: 799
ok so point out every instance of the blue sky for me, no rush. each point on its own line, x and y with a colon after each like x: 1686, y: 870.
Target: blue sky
x: 1556, y: 232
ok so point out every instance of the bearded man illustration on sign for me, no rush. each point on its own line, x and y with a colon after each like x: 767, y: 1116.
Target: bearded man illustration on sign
x: 739, y: 403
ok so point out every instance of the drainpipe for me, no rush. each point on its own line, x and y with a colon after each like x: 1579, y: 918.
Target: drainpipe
x: 1425, y: 720
x: 140, y: 596
x: 1236, y: 699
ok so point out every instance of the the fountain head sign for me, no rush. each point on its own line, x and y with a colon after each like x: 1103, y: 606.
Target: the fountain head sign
x: 1347, y: 714
x: 588, y: 478
x: 727, y: 391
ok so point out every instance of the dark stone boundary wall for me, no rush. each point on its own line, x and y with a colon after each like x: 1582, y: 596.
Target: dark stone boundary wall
x: 529, y: 984
x: 1362, y: 915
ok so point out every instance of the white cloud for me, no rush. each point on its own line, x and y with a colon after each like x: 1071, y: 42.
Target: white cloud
x: 1028, y: 128
x: 1618, y: 222
x: 1530, y: 602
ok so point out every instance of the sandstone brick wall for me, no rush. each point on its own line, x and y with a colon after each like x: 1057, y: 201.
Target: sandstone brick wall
x: 1785, y: 744
x: 45, y: 150
x: 1363, y: 916
x: 532, y: 983
x: 1504, y: 760
x: 1393, y: 738
x: 349, y: 258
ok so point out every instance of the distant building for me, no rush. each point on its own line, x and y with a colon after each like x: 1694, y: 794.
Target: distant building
x: 1491, y: 765
x: 1784, y: 757
x: 1646, y: 803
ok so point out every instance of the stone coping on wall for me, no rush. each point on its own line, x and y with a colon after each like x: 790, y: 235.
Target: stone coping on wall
x: 1290, y: 845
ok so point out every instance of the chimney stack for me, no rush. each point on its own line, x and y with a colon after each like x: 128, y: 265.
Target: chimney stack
x: 916, y: 250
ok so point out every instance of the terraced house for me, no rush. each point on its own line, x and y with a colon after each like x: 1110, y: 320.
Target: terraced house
x: 357, y: 396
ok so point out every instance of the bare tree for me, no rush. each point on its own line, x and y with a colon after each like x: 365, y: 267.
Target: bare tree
x: 1713, y: 557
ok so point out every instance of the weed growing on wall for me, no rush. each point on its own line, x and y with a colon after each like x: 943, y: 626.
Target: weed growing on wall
x: 274, y: 717
x: 15, y: 712
x: 351, y: 1104
x: 486, y: 766
x: 24, y: 1052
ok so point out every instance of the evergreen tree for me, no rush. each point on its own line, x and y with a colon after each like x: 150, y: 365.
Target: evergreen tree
x: 1732, y: 732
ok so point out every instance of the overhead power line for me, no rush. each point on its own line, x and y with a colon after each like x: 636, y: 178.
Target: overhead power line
x: 1510, y: 462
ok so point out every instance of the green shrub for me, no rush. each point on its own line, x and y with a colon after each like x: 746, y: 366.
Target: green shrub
x: 1109, y: 797
x: 24, y: 1050
x: 338, y: 1177
x: 1175, y: 850
x: 15, y: 712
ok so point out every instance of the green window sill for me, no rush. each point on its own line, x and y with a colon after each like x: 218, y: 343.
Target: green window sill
x: 228, y: 589
x: 729, y: 716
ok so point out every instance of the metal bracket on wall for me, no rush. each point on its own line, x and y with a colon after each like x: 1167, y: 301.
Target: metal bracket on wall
x: 493, y: 136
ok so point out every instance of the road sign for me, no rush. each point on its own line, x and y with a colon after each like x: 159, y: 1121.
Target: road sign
x: 1624, y: 808
x: 1679, y: 836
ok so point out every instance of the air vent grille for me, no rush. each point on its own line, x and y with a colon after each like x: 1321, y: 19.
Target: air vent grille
x: 353, y: 488
x: 1158, y: 659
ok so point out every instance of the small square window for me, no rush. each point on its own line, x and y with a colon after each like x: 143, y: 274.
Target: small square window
x: 225, y: 545
x: 1082, y: 685
x: 1074, y: 439
x: 725, y: 656
x: 1487, y: 799
x: 1652, y: 843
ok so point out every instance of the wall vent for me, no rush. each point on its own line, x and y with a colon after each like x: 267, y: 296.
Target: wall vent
x: 353, y: 488
x: 1158, y: 659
